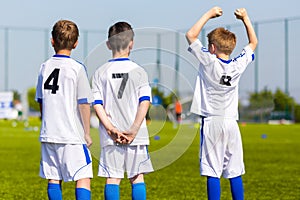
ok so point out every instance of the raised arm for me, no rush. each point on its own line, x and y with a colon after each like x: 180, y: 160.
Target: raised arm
x: 194, y: 32
x: 242, y: 15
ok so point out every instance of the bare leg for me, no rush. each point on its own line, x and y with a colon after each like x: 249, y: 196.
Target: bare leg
x: 138, y: 187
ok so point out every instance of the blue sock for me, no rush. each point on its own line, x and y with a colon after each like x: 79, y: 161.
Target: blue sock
x: 213, y: 188
x: 237, y: 189
x: 54, y: 191
x: 82, y: 194
x: 138, y: 191
x: 112, y: 192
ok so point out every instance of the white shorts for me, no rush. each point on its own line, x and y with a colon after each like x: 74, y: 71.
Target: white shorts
x: 67, y: 162
x: 115, y: 160
x: 221, y: 150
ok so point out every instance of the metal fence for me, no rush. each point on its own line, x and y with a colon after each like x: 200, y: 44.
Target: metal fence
x: 163, y: 53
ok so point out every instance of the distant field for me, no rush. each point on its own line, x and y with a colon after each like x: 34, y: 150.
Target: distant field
x: 271, y: 157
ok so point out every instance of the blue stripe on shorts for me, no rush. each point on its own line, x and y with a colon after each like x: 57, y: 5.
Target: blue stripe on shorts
x: 87, y: 155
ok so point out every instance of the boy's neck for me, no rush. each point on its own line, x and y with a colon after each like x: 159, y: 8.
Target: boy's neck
x: 120, y: 54
x: 64, y: 52
x: 223, y: 56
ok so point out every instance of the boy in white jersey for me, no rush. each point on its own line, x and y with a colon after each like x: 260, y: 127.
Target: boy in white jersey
x: 216, y: 100
x: 64, y: 94
x: 122, y: 97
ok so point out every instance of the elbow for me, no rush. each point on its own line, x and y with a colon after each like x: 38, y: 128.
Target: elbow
x: 145, y: 103
x: 190, y: 37
x: 253, y: 44
x: 97, y: 106
x: 255, y: 41
x: 188, y: 34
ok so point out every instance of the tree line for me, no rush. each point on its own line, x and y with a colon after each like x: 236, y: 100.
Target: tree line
x: 261, y: 107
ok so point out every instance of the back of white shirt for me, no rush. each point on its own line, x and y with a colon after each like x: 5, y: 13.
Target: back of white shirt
x: 120, y: 85
x: 217, y: 83
x: 62, y: 85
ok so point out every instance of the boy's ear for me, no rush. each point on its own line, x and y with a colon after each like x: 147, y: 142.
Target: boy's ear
x: 131, y: 44
x: 213, y: 48
x: 75, y: 45
x: 108, y: 45
x: 52, y: 42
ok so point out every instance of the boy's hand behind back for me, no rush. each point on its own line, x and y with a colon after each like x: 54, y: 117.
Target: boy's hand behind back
x: 117, y: 136
x: 131, y: 133
x: 130, y: 136
x: 88, y: 140
x: 240, y: 13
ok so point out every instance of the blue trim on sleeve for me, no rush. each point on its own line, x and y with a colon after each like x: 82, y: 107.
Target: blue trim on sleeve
x: 39, y: 100
x: 144, y: 98
x: 98, y: 102
x: 84, y: 67
x: 82, y: 101
x: 204, y: 49
x: 241, y: 55
x: 253, y: 56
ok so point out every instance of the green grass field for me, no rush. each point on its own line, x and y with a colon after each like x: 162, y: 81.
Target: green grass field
x: 271, y: 154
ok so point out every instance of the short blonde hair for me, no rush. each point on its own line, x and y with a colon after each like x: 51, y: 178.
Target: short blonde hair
x: 224, y: 40
x: 65, y: 34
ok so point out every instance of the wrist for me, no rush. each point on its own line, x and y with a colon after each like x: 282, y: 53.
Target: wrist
x: 208, y: 16
x: 246, y: 18
x: 110, y: 130
x: 134, y: 128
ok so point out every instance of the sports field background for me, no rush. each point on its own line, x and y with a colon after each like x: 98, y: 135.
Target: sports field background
x: 160, y: 47
x: 271, y: 154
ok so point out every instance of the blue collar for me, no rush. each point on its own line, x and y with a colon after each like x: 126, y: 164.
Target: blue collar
x: 225, y: 61
x: 118, y: 59
x: 61, y: 56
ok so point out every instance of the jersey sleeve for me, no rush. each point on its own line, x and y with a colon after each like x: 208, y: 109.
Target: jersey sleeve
x: 39, y: 93
x: 84, y: 92
x: 201, y: 53
x: 97, y: 89
x: 244, y: 59
x: 143, y: 86
x: 197, y: 98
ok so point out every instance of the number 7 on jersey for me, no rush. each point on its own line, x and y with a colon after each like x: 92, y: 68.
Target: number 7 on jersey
x: 124, y: 77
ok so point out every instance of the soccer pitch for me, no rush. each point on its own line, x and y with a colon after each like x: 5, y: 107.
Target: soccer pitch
x: 271, y: 154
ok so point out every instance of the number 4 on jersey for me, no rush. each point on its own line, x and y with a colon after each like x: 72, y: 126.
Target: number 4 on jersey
x: 53, y: 76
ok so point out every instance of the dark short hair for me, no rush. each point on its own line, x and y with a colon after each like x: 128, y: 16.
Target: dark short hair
x: 65, y: 34
x: 119, y: 36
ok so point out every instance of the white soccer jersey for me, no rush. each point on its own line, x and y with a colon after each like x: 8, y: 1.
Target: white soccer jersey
x: 120, y: 85
x: 62, y: 85
x: 216, y: 90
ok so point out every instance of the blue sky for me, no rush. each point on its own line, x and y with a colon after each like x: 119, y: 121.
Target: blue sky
x: 163, y: 14
x: 95, y: 14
